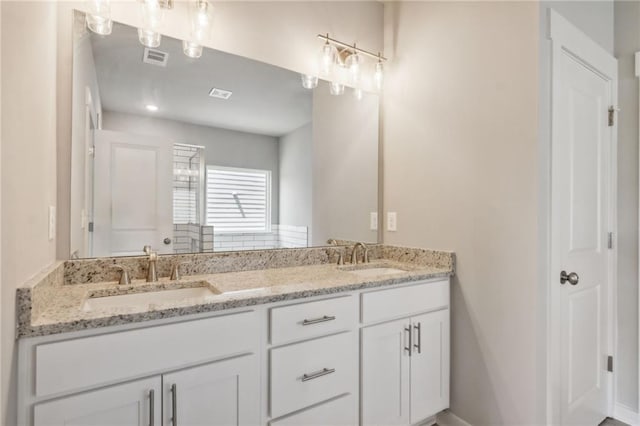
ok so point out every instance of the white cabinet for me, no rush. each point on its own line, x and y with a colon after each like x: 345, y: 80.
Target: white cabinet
x: 340, y: 411
x: 223, y: 393
x: 405, y: 369
x: 131, y: 404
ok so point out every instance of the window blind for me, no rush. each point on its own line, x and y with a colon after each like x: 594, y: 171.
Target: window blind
x: 238, y: 200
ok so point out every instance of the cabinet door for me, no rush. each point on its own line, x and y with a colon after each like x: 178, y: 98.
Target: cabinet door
x: 222, y: 393
x: 385, y: 374
x: 430, y: 365
x: 131, y: 404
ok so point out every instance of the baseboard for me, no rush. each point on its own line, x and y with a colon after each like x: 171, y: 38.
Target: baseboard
x: 626, y: 415
x: 447, y: 418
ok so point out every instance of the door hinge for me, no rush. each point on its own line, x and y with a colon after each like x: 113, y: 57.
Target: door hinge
x: 610, y: 240
x: 90, y: 227
x: 610, y: 364
x: 612, y: 115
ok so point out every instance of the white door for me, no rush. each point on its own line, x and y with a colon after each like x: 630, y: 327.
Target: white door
x: 429, y: 365
x: 583, y: 90
x: 131, y: 404
x: 133, y: 204
x: 385, y: 374
x: 223, y: 393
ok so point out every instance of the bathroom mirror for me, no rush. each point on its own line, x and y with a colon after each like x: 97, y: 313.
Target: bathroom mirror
x: 212, y: 154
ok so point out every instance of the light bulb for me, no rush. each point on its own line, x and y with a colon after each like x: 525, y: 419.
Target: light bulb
x: 337, y: 89
x: 327, y: 59
x: 152, y: 16
x: 353, y: 63
x: 378, y: 76
x: 99, y: 16
x: 201, y: 17
x: 309, y: 81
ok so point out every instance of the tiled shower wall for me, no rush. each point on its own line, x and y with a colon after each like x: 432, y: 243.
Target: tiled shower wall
x: 281, y: 236
x: 192, y: 238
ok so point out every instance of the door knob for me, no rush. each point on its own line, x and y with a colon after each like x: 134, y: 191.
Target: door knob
x: 167, y: 241
x: 572, y: 277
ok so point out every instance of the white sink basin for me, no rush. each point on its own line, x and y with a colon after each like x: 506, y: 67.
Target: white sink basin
x: 147, y: 298
x: 375, y: 272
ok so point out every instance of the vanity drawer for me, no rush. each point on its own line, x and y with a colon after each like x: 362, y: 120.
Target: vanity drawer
x: 312, y: 319
x: 404, y: 301
x: 314, y: 371
x: 115, y: 357
x: 341, y: 411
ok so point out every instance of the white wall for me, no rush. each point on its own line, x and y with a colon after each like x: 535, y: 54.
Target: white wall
x: 345, y: 165
x: 295, y: 152
x: 627, y: 42
x: 460, y: 169
x: 222, y: 147
x: 28, y: 85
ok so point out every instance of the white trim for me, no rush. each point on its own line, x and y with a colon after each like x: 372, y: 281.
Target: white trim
x: 626, y: 415
x: 637, y: 64
x: 447, y: 418
x: 638, y: 75
x: 567, y: 39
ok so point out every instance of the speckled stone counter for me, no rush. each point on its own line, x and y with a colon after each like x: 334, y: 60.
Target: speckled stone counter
x: 54, y: 301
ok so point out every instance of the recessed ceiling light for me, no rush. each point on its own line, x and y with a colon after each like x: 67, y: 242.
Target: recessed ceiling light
x: 220, y: 93
x: 152, y: 108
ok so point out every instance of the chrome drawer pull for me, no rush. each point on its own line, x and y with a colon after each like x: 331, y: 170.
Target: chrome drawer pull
x: 152, y: 410
x: 174, y: 405
x: 321, y: 373
x: 317, y: 320
x: 418, y: 327
x: 408, y: 348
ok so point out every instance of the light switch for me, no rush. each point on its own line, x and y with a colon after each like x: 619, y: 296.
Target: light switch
x: 373, y: 221
x: 392, y: 221
x: 52, y: 223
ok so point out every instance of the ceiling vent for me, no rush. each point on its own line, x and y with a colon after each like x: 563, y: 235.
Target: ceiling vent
x: 155, y: 57
x: 220, y: 93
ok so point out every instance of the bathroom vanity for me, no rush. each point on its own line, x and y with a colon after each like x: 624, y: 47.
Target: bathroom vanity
x: 308, y: 343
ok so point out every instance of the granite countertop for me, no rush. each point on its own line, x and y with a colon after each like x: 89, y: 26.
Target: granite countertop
x: 47, y: 305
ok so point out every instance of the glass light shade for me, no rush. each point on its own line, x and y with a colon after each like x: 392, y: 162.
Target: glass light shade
x: 337, y: 89
x: 201, y: 18
x: 357, y: 93
x: 328, y: 58
x: 309, y: 81
x: 191, y: 49
x: 152, y: 16
x: 353, y: 64
x: 149, y: 38
x: 378, y: 75
x: 99, y: 16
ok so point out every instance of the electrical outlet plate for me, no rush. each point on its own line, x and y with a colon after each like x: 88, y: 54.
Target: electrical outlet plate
x: 392, y: 221
x: 52, y: 223
x: 373, y: 221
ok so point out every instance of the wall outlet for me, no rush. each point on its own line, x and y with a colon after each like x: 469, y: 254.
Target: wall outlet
x: 373, y: 221
x: 392, y: 221
x: 52, y: 223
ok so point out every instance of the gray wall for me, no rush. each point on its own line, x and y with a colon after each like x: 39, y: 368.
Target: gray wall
x: 296, y: 177
x: 222, y: 147
x: 460, y: 169
x: 627, y: 42
x: 345, y: 165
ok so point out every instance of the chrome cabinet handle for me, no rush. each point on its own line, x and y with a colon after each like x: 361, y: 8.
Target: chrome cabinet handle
x: 151, y: 407
x: 418, y: 327
x: 318, y: 320
x: 174, y: 405
x: 323, y: 372
x: 408, y: 348
x: 572, y: 277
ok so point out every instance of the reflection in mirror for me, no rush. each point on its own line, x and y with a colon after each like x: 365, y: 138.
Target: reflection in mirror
x: 212, y: 154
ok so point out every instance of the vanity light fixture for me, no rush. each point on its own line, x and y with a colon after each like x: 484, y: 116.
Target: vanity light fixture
x: 336, y: 52
x: 99, y: 16
x: 201, y: 17
x: 309, y: 81
x: 337, y: 89
x: 357, y: 93
x: 151, y: 107
x: 152, y: 12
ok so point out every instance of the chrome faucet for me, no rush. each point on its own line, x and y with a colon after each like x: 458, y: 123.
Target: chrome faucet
x: 354, y: 253
x: 340, y: 250
x: 152, y: 271
x: 124, y: 275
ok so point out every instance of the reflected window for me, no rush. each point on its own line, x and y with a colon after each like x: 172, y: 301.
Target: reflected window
x: 238, y: 200
x: 187, y: 163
